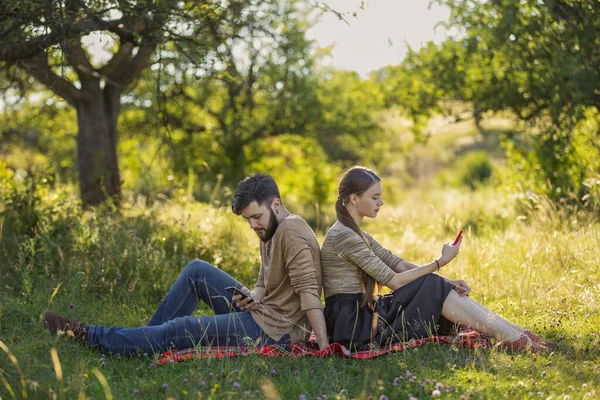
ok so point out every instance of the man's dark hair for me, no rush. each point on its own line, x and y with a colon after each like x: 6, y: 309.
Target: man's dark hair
x: 258, y: 187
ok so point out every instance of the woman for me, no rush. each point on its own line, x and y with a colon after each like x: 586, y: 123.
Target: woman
x: 355, y: 266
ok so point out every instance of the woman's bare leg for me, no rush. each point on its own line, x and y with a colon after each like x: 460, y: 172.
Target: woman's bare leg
x: 464, y: 311
x: 515, y: 327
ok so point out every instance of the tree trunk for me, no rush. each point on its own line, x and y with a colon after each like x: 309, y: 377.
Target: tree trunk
x: 236, y: 156
x: 97, y: 144
x: 477, y: 116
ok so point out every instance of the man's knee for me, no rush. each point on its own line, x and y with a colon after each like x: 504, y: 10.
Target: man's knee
x: 199, y: 268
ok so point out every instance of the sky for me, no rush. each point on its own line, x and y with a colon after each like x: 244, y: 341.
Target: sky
x: 380, y: 33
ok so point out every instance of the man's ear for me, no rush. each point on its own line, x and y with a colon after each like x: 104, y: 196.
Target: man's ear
x: 275, y: 203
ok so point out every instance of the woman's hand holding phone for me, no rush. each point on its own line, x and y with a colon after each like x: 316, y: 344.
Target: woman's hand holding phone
x: 449, y: 251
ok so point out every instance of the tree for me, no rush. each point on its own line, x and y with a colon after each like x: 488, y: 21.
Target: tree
x: 255, y: 83
x: 44, y: 39
x: 538, y: 59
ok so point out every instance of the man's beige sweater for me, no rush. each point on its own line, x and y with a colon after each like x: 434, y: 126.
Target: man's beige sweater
x: 289, y: 282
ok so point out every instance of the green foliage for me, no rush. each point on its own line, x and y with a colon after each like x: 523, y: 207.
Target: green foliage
x: 39, y: 137
x: 347, y: 126
x: 533, y: 272
x: 473, y: 170
x: 530, y: 57
x: 47, y: 236
x: 560, y: 165
x: 307, y: 182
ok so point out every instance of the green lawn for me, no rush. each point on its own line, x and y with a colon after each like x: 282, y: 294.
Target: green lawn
x: 542, y: 273
x: 524, y: 258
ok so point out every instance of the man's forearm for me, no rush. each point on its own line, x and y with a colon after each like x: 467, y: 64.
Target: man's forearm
x: 317, y: 321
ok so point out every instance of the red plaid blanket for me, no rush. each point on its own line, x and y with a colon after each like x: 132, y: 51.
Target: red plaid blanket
x: 471, y: 339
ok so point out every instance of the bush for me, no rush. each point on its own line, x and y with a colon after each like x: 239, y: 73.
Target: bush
x: 48, y: 239
x: 472, y: 170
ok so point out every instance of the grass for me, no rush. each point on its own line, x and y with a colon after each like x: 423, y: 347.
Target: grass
x: 523, y: 257
x: 538, y: 273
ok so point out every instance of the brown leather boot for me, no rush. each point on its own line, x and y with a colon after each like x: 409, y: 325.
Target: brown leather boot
x: 60, y: 325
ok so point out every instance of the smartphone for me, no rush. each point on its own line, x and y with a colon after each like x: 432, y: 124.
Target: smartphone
x: 457, y: 238
x: 234, y: 290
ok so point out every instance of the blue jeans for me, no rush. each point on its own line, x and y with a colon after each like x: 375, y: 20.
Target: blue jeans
x: 173, y: 327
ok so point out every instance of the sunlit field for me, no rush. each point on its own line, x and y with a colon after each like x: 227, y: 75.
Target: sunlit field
x: 536, y: 270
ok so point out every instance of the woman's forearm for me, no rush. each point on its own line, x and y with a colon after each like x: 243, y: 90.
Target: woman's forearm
x: 404, y: 265
x: 403, y: 278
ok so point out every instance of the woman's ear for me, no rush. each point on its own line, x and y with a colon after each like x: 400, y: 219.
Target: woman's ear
x: 353, y: 197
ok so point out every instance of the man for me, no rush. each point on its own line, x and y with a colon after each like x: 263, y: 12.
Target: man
x: 283, y: 307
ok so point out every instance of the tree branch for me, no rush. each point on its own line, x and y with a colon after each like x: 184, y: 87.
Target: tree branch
x: 122, y: 55
x: 38, y: 67
x: 22, y: 48
x: 131, y: 69
x: 78, y: 59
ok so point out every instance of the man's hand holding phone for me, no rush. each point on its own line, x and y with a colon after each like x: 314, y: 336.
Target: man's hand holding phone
x: 241, y: 298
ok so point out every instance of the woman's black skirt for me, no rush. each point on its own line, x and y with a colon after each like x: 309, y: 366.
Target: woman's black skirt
x: 413, y: 311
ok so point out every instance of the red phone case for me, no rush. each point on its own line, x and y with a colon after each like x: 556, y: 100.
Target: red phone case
x: 457, y: 238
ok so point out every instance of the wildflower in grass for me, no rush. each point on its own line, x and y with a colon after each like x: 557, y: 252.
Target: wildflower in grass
x: 272, y: 372
x: 301, y: 397
x: 296, y: 372
x: 171, y: 361
x: 412, y: 379
x: 152, y: 365
x: 165, y: 386
x: 436, y: 393
x: 185, y: 380
x: 235, y: 371
x: 412, y: 398
x: 246, y: 393
x: 85, y: 376
x: 543, y: 374
x: 439, y: 386
x: 408, y: 374
x: 427, y: 381
x: 71, y: 305
x: 136, y: 391
x: 382, y: 397
x: 236, y: 384
x: 211, y: 375
x: 463, y: 397
x: 103, y: 364
x: 202, y: 383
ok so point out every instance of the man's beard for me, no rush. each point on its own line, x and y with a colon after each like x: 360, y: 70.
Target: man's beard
x: 270, y: 230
